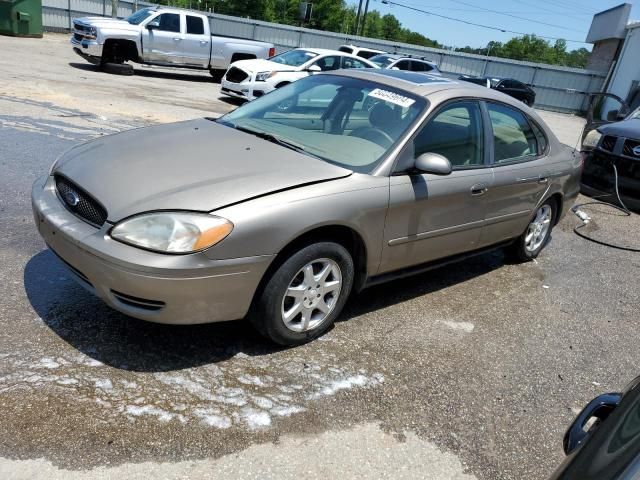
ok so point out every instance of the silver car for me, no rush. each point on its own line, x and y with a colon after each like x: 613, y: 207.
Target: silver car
x: 280, y: 209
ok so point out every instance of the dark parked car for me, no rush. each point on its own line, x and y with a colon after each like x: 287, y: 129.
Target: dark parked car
x: 603, y: 442
x: 610, y: 142
x: 510, y: 86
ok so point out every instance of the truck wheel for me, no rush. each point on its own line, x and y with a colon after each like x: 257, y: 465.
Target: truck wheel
x: 217, y: 74
x: 117, y: 68
x: 303, y: 297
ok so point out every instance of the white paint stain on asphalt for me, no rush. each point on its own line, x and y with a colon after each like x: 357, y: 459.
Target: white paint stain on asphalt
x: 244, y: 391
x: 467, y: 327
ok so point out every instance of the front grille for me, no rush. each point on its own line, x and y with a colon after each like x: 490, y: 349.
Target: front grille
x: 138, y: 302
x: 235, y: 75
x: 608, y: 143
x: 81, y: 27
x: 629, y: 145
x: 79, y: 202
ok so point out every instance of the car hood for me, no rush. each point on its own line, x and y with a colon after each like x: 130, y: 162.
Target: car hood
x: 102, y: 22
x: 626, y: 128
x: 264, y: 66
x: 197, y: 165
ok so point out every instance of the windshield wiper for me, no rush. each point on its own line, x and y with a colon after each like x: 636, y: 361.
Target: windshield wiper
x: 277, y: 140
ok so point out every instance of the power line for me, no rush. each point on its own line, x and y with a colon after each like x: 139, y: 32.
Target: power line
x: 515, y: 16
x: 503, y: 30
x: 546, y: 9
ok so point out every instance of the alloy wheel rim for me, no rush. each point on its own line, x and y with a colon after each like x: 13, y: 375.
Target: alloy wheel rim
x: 538, y: 229
x: 311, y: 295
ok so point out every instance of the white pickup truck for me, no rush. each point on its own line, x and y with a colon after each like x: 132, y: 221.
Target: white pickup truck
x: 162, y: 36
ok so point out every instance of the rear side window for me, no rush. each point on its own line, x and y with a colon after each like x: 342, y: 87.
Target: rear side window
x: 169, y: 22
x: 346, y: 49
x: 540, y: 136
x: 456, y: 133
x: 513, y: 137
x: 348, y: 62
x: 195, y: 25
x: 367, y: 53
x: 403, y: 65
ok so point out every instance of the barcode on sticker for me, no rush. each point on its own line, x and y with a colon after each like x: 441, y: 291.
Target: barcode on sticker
x: 392, y: 97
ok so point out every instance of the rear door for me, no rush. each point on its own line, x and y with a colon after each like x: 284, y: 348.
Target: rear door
x: 431, y: 216
x: 196, y: 45
x: 520, y: 172
x: 163, y: 44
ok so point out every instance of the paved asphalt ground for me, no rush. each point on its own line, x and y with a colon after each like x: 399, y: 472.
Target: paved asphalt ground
x: 471, y: 371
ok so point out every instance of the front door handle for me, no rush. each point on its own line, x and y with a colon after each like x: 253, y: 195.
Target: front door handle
x: 177, y: 39
x: 543, y: 179
x: 203, y: 42
x: 479, y: 189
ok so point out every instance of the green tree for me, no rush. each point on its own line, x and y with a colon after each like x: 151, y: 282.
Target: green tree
x: 391, y: 28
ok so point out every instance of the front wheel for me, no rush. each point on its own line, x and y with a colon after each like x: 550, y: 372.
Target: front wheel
x: 529, y: 245
x: 305, y: 294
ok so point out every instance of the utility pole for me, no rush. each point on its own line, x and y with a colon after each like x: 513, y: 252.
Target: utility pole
x: 358, y: 17
x: 364, y: 18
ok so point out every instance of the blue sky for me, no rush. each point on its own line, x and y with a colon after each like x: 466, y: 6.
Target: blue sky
x: 569, y: 19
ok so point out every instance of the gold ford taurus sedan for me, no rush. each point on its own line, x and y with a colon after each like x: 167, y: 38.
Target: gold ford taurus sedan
x: 280, y: 209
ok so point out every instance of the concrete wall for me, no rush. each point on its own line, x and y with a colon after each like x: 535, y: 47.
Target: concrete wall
x: 603, y: 55
x: 628, y: 68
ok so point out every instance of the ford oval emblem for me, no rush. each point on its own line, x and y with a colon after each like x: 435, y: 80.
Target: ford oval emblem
x: 636, y: 151
x: 72, y: 198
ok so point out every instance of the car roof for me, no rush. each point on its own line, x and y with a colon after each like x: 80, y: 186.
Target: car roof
x: 424, y: 84
x: 322, y: 51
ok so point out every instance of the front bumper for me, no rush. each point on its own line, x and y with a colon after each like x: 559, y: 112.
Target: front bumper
x: 175, y: 289
x: 598, y: 178
x: 90, y: 50
x: 248, y: 89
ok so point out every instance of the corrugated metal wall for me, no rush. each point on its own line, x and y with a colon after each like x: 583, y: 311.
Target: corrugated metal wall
x: 558, y: 88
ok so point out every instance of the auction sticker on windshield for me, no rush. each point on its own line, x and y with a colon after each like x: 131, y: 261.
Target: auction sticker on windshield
x: 392, y: 97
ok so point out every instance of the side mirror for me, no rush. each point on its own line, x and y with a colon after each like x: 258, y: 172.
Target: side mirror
x: 433, y: 163
x: 613, y: 115
x: 599, y: 408
x: 153, y: 25
x: 314, y: 68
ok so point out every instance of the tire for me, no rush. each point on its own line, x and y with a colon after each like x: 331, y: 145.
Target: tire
x: 536, y: 236
x: 319, y: 306
x: 117, y: 68
x: 217, y: 74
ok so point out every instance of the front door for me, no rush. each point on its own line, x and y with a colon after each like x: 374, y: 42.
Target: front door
x: 431, y: 216
x: 163, y: 42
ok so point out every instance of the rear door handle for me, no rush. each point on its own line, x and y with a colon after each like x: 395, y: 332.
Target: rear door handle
x: 177, y: 39
x: 203, y: 42
x: 543, y: 179
x: 479, y: 189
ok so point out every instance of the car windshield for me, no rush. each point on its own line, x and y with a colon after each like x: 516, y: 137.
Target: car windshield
x: 345, y: 121
x: 294, y: 58
x: 382, y: 60
x: 635, y: 114
x: 138, y: 17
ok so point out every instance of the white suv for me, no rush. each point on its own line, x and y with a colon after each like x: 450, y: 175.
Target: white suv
x: 249, y: 79
x: 405, y: 62
x: 360, y: 51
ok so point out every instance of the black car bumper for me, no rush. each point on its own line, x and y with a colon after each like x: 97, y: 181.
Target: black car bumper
x: 598, y: 178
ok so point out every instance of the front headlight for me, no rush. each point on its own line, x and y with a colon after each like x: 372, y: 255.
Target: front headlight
x: 591, y: 140
x: 263, y: 76
x: 172, y: 232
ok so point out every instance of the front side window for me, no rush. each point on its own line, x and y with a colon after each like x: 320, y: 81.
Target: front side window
x: 169, y: 22
x: 345, y: 121
x: 513, y: 137
x: 294, y: 58
x: 455, y: 133
x: 195, y: 25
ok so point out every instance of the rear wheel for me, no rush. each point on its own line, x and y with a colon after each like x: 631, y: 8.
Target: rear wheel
x: 304, y: 295
x: 529, y: 245
x: 217, y: 74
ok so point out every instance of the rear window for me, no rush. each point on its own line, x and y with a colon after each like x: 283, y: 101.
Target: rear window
x: 195, y: 25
